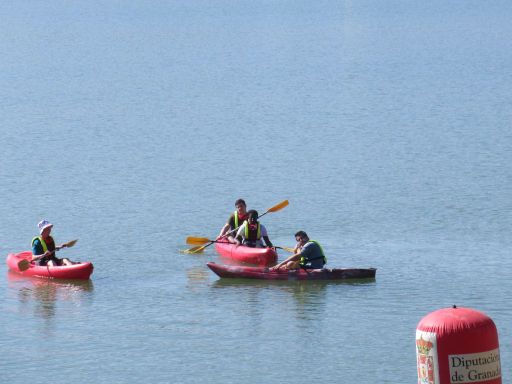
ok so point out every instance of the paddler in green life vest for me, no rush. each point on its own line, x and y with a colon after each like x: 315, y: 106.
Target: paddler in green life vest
x: 235, y: 221
x: 43, y: 247
x: 251, y: 232
x: 308, y: 254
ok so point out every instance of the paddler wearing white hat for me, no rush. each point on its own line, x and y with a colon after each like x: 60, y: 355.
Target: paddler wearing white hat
x: 43, y: 247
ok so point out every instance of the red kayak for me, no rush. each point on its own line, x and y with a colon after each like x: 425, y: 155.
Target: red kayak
x: 79, y: 271
x: 262, y: 273
x: 243, y: 254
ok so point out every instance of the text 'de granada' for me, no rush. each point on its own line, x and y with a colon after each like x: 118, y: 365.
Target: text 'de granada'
x: 475, y: 367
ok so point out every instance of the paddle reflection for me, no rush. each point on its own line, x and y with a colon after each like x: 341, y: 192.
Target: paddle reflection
x: 197, y: 277
x: 44, y: 293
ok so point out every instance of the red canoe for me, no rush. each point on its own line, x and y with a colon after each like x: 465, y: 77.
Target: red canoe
x: 243, y: 254
x: 79, y: 271
x: 232, y: 271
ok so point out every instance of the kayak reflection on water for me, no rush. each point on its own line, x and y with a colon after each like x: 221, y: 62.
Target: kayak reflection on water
x: 43, y: 294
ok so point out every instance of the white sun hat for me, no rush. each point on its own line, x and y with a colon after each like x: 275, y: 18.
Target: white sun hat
x: 43, y: 224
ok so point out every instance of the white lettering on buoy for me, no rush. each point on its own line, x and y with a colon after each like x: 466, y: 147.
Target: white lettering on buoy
x: 475, y: 367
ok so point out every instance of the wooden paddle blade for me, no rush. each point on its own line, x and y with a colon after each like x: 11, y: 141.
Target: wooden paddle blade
x: 188, y: 250
x: 69, y: 244
x: 198, y: 240
x: 279, y: 206
x: 198, y: 249
x: 23, y: 265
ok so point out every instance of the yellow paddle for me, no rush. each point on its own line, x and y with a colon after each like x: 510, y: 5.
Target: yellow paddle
x: 69, y: 244
x: 287, y: 249
x: 277, y: 207
x: 24, y: 264
x: 198, y: 240
x: 207, y: 242
x: 196, y: 249
x: 200, y: 248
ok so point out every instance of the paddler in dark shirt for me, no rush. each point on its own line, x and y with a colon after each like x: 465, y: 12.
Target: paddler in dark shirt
x: 308, y: 254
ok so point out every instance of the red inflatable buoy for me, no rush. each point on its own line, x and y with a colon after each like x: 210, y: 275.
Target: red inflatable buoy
x: 457, y: 345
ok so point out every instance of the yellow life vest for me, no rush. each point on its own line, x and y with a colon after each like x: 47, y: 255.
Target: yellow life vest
x: 43, y: 243
x: 237, y: 220
x: 247, y: 234
x: 304, y: 260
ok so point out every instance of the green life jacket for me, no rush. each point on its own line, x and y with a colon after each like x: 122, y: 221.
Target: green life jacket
x: 304, y: 260
x: 235, y: 215
x: 238, y: 221
x: 252, y: 234
x: 43, y: 243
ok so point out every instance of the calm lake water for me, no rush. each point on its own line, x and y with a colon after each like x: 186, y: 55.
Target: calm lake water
x: 132, y: 125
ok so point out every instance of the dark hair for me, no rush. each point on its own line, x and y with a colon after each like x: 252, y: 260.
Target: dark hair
x: 252, y: 213
x: 302, y: 235
x: 240, y: 201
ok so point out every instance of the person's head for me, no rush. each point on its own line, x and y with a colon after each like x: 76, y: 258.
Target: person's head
x: 240, y: 206
x: 252, y: 216
x: 301, y: 237
x: 45, y: 227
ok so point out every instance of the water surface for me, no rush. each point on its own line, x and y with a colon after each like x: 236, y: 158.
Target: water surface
x: 133, y: 126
